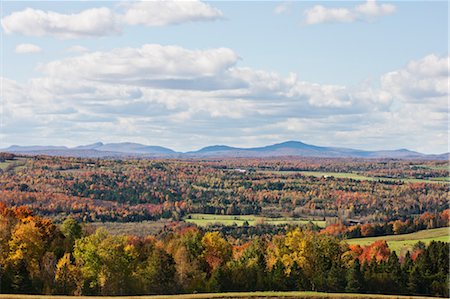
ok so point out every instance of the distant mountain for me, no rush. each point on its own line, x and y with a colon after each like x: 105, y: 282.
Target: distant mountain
x: 288, y: 148
x: 297, y: 148
x: 92, y: 146
x: 18, y: 148
x: 134, y: 148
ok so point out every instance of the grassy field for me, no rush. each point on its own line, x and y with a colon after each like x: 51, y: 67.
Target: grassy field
x: 207, y: 219
x: 17, y: 164
x: 142, y: 229
x: 266, y: 295
x: 355, y: 176
x: 402, y: 243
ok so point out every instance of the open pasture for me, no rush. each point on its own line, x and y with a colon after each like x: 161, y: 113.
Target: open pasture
x: 404, y: 242
x: 357, y: 176
x: 240, y: 220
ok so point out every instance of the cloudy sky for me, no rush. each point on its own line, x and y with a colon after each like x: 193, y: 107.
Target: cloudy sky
x: 185, y: 74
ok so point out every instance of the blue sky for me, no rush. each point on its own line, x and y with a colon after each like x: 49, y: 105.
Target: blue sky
x: 185, y: 74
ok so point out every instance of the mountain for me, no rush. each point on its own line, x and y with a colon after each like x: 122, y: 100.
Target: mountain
x: 297, y: 148
x: 288, y: 148
x: 92, y: 146
x: 18, y: 148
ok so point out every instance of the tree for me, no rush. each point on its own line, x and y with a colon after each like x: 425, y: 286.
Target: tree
x: 354, y: 278
x: 106, y: 263
x: 67, y: 276
x: 71, y: 229
x: 158, y: 274
x: 217, y: 251
x: 26, y: 250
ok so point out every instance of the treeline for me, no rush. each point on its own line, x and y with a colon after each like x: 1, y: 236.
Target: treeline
x: 413, y: 224
x: 36, y: 256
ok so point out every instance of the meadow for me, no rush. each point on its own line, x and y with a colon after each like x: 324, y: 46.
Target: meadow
x: 240, y: 220
x: 402, y: 243
x: 357, y: 176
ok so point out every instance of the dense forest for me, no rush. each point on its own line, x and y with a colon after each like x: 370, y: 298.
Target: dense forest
x: 38, y: 256
x: 48, y: 247
x: 338, y: 190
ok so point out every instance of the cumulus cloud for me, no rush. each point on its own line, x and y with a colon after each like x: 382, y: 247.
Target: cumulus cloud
x: 168, y: 12
x: 151, y: 62
x: 27, y: 48
x: 368, y: 11
x: 88, y: 23
x: 421, y: 79
x: 102, y: 21
x: 85, y: 98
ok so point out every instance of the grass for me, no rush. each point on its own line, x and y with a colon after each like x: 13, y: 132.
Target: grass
x: 356, y: 176
x: 142, y: 229
x: 402, y: 243
x: 273, y: 295
x: 16, y: 164
x: 239, y: 220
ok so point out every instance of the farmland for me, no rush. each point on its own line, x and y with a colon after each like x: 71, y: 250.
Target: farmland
x: 404, y: 242
x: 240, y: 220
x: 361, y: 177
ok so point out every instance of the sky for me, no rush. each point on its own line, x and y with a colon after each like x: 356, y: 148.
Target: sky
x: 186, y: 74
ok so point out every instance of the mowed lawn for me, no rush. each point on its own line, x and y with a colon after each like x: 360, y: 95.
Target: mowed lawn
x: 266, y: 295
x: 239, y: 220
x: 402, y: 243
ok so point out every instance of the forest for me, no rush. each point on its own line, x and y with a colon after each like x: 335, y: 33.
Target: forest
x: 93, y: 190
x: 39, y: 257
x: 48, y: 245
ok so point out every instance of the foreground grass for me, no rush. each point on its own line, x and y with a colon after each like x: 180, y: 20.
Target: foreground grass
x: 239, y: 220
x: 273, y: 295
x: 266, y: 295
x: 402, y: 243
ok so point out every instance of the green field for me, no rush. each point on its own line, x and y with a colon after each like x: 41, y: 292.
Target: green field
x: 356, y: 176
x: 142, y: 229
x: 402, y: 243
x: 267, y: 295
x: 17, y: 164
x: 239, y: 220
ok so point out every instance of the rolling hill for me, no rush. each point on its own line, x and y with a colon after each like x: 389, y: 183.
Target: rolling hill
x: 289, y: 148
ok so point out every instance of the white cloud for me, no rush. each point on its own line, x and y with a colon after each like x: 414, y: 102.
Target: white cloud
x: 27, y: 48
x: 168, y: 12
x: 139, y: 65
x: 283, y: 7
x: 372, y: 9
x: 93, y: 94
x: 102, y: 21
x: 320, y: 14
x: 420, y: 79
x: 88, y: 23
x: 368, y: 11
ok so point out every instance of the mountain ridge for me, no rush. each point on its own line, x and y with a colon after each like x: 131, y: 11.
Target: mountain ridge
x: 287, y: 148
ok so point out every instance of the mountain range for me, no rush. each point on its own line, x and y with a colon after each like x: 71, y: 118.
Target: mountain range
x: 289, y: 148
